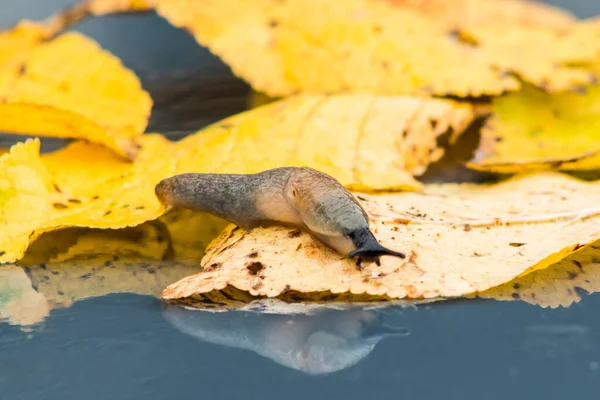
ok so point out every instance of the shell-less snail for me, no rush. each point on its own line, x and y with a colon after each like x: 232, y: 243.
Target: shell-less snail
x: 297, y: 196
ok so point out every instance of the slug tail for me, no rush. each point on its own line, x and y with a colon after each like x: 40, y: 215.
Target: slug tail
x: 367, y: 246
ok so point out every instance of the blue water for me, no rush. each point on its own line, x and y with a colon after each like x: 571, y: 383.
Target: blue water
x: 127, y: 346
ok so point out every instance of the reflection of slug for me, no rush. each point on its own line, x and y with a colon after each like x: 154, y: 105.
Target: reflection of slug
x: 300, y: 197
x: 320, y: 343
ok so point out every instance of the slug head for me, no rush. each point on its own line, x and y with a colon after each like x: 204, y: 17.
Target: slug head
x: 367, y: 246
x: 323, y: 204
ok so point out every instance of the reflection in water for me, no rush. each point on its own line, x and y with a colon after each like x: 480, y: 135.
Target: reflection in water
x: 558, y: 340
x: 325, y: 342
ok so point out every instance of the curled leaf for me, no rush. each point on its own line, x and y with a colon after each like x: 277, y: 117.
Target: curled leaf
x: 531, y: 129
x: 33, y: 202
x: 561, y: 284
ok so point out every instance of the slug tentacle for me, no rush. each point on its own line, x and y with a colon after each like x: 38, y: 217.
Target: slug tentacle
x: 298, y: 196
x: 367, y: 246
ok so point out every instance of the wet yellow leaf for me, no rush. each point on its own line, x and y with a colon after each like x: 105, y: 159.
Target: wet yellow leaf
x: 561, y: 284
x: 32, y: 202
x: 367, y: 142
x: 531, y: 129
x: 460, y: 239
x: 326, y: 47
x: 69, y: 87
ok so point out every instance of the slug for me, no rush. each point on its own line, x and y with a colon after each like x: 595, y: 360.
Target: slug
x: 293, y: 196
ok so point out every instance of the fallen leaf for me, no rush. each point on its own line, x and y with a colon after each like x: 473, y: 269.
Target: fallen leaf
x: 92, y: 96
x: 15, y: 46
x: 473, y: 13
x: 281, y: 48
x: 103, y: 7
x: 460, y: 239
x: 534, y: 40
x: 366, y: 142
x: 33, y: 203
x: 190, y: 232
x: 148, y: 240
x: 561, y: 284
x: 531, y: 129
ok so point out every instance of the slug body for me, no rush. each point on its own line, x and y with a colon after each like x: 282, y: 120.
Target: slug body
x: 296, y: 196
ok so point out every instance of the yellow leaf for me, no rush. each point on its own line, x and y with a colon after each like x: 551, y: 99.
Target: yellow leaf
x: 474, y: 13
x: 459, y: 239
x: 534, y: 40
x: 190, y: 232
x: 366, y: 142
x: 148, y: 240
x: 102, y: 7
x: 15, y: 47
x: 32, y: 202
x: 561, y: 284
x: 70, y: 87
x: 531, y: 129
x: 327, y: 47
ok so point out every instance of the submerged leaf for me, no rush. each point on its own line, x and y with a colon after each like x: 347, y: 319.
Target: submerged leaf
x: 531, y: 129
x: 460, y: 239
x: 92, y: 96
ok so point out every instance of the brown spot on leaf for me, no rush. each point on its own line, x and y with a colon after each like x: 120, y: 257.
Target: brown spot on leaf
x: 59, y: 206
x: 516, y: 296
x: 294, y: 233
x: 467, y: 227
x: 254, y: 254
x: 578, y: 264
x: 517, y: 244
x: 254, y: 268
